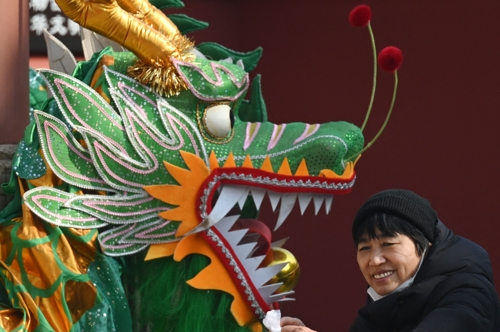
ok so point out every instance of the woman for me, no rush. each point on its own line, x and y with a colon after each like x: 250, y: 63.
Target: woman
x: 421, y: 276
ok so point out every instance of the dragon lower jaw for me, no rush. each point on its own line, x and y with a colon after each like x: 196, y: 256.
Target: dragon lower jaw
x: 246, y: 244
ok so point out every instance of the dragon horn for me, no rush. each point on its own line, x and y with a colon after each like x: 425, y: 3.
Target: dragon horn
x: 141, y: 28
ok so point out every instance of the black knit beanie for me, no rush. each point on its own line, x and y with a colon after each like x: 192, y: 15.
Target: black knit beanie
x: 401, y: 203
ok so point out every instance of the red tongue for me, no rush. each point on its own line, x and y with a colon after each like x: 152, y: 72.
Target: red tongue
x: 257, y: 227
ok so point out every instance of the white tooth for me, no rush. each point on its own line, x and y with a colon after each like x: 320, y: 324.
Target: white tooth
x: 235, y: 237
x: 274, y: 197
x: 285, y: 299
x: 267, y: 290
x: 383, y: 275
x: 328, y: 203
x: 225, y: 224
x: 204, y: 225
x: 304, y: 200
x: 253, y: 251
x: 279, y: 243
x: 261, y: 276
x: 280, y: 296
x: 251, y: 237
x: 244, y: 250
x: 229, y: 195
x: 242, y: 200
x: 240, y: 64
x: 318, y: 201
x: 252, y: 263
x: 228, y: 60
x: 258, y: 196
x: 287, y: 203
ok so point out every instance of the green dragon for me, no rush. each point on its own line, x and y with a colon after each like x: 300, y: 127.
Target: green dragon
x: 136, y: 210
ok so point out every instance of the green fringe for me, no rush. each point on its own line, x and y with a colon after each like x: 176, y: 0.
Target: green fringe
x: 160, y: 299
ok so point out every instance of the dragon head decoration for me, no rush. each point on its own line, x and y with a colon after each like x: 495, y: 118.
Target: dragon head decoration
x: 157, y: 154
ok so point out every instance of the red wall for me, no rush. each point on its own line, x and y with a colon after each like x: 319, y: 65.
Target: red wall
x: 14, y: 58
x: 441, y: 141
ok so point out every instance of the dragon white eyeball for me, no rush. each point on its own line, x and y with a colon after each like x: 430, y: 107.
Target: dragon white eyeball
x: 218, y: 120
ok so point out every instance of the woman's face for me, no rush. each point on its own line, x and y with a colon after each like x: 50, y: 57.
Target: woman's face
x: 387, y: 262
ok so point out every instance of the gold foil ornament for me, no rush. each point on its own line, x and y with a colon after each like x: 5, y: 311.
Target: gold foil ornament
x: 141, y: 28
x: 290, y: 273
x: 54, y: 266
x: 150, y: 15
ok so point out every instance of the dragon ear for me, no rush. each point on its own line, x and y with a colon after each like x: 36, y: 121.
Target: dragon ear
x: 60, y: 57
x: 141, y: 28
x: 254, y: 110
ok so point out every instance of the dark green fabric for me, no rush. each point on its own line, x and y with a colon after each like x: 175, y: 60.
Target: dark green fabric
x: 14, y: 208
x: 162, y: 4
x: 160, y: 299
x: 254, y: 110
x: 84, y: 70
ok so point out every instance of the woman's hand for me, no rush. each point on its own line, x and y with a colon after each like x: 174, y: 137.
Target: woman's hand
x: 291, y: 324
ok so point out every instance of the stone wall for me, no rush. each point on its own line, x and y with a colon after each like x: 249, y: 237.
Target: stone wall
x: 6, y: 153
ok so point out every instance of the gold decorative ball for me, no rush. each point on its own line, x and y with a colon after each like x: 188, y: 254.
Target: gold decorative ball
x: 290, y: 273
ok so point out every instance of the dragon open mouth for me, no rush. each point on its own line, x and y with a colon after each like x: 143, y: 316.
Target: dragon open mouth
x: 245, y: 244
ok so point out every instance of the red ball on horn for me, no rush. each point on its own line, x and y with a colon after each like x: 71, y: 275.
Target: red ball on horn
x: 360, y: 16
x: 390, y: 59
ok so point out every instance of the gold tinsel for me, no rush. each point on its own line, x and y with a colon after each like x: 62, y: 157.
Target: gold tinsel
x: 162, y: 77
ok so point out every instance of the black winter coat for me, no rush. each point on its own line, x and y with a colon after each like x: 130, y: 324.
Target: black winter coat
x: 452, y: 292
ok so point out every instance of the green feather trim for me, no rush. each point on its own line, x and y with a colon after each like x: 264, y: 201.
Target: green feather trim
x: 218, y: 52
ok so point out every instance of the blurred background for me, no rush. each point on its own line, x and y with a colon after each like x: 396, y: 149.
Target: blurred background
x: 441, y: 141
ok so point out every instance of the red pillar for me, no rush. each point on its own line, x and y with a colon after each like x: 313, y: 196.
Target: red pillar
x: 14, y: 71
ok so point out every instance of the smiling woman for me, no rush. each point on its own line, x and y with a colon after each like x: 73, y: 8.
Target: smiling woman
x: 387, y: 261
x: 421, y: 276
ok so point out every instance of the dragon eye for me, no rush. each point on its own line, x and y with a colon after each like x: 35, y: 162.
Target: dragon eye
x: 219, y: 120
